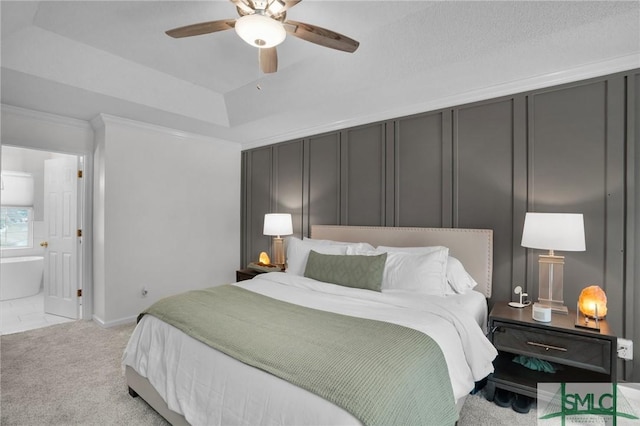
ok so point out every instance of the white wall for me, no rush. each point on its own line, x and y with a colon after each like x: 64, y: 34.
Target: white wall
x: 171, y: 215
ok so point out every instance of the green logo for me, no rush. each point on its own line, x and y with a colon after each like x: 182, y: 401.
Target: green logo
x: 586, y: 403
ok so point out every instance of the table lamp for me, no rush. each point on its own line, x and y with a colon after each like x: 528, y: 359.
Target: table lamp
x: 553, y: 231
x: 276, y: 225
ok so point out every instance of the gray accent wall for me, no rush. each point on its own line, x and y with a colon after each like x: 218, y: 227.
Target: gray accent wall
x: 569, y: 148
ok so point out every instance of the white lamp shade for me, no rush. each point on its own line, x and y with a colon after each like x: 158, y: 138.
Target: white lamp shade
x: 554, y: 231
x: 260, y: 30
x: 277, y: 224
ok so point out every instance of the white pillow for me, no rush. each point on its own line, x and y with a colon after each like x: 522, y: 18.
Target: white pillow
x: 361, y: 249
x: 424, y: 273
x: 298, y: 252
x: 423, y: 250
x: 352, y: 248
x: 458, y: 278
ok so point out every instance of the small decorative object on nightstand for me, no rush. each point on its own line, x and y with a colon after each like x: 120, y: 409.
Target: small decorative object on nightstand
x: 264, y: 264
x: 577, y: 354
x: 592, y: 303
x: 522, y: 303
x: 541, y: 313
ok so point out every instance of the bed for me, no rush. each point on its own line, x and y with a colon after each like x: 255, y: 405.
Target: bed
x: 190, y: 382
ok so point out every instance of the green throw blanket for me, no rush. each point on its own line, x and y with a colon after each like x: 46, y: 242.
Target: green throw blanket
x: 382, y: 373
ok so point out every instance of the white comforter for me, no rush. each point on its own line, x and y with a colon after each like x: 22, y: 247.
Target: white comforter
x: 208, y: 387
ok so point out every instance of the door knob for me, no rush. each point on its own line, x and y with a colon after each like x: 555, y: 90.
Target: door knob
x: 44, y: 244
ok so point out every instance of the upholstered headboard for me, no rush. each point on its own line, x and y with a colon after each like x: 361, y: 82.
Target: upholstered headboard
x: 473, y: 247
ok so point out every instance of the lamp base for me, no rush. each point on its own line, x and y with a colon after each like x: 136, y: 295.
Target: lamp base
x: 556, y: 306
x: 278, y: 252
x: 550, y: 277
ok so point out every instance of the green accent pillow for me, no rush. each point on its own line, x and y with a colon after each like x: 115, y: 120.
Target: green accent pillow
x: 347, y: 270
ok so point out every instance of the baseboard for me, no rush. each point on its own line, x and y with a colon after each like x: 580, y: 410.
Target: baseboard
x: 114, y: 323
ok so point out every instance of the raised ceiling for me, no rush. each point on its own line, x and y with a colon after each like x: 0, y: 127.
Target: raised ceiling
x: 83, y: 58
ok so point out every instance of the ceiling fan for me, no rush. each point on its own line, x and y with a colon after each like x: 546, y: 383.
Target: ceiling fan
x: 263, y: 24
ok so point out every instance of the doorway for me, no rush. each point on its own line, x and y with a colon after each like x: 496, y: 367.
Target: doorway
x: 51, y: 231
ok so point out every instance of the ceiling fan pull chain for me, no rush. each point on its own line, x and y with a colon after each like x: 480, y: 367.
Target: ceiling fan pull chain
x: 259, y: 73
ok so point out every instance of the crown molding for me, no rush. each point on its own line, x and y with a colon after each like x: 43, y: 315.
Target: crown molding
x: 45, y: 116
x: 102, y: 120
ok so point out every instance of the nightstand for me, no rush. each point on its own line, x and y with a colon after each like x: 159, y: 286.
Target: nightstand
x: 578, y: 354
x: 246, y: 274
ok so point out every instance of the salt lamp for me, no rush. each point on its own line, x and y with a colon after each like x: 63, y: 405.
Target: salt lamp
x: 590, y: 297
x: 264, y: 258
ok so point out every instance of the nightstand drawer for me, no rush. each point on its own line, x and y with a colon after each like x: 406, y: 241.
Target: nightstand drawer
x: 584, y: 352
x: 246, y: 274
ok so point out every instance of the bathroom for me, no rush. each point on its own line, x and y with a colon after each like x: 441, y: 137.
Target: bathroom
x: 23, y: 239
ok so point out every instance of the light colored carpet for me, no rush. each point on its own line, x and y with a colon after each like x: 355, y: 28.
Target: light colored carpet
x: 477, y: 411
x: 70, y: 374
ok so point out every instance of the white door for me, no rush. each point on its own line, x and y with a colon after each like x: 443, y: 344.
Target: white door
x: 61, y: 251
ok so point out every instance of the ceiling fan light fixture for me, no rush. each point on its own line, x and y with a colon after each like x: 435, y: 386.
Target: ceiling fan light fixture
x: 260, y: 31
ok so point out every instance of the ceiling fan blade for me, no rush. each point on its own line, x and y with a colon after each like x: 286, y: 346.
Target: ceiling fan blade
x: 202, y: 28
x: 269, y: 60
x: 321, y: 36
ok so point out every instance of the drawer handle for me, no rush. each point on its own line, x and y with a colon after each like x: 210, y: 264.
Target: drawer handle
x: 547, y: 347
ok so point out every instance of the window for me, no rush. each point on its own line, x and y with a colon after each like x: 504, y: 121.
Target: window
x: 16, y: 227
